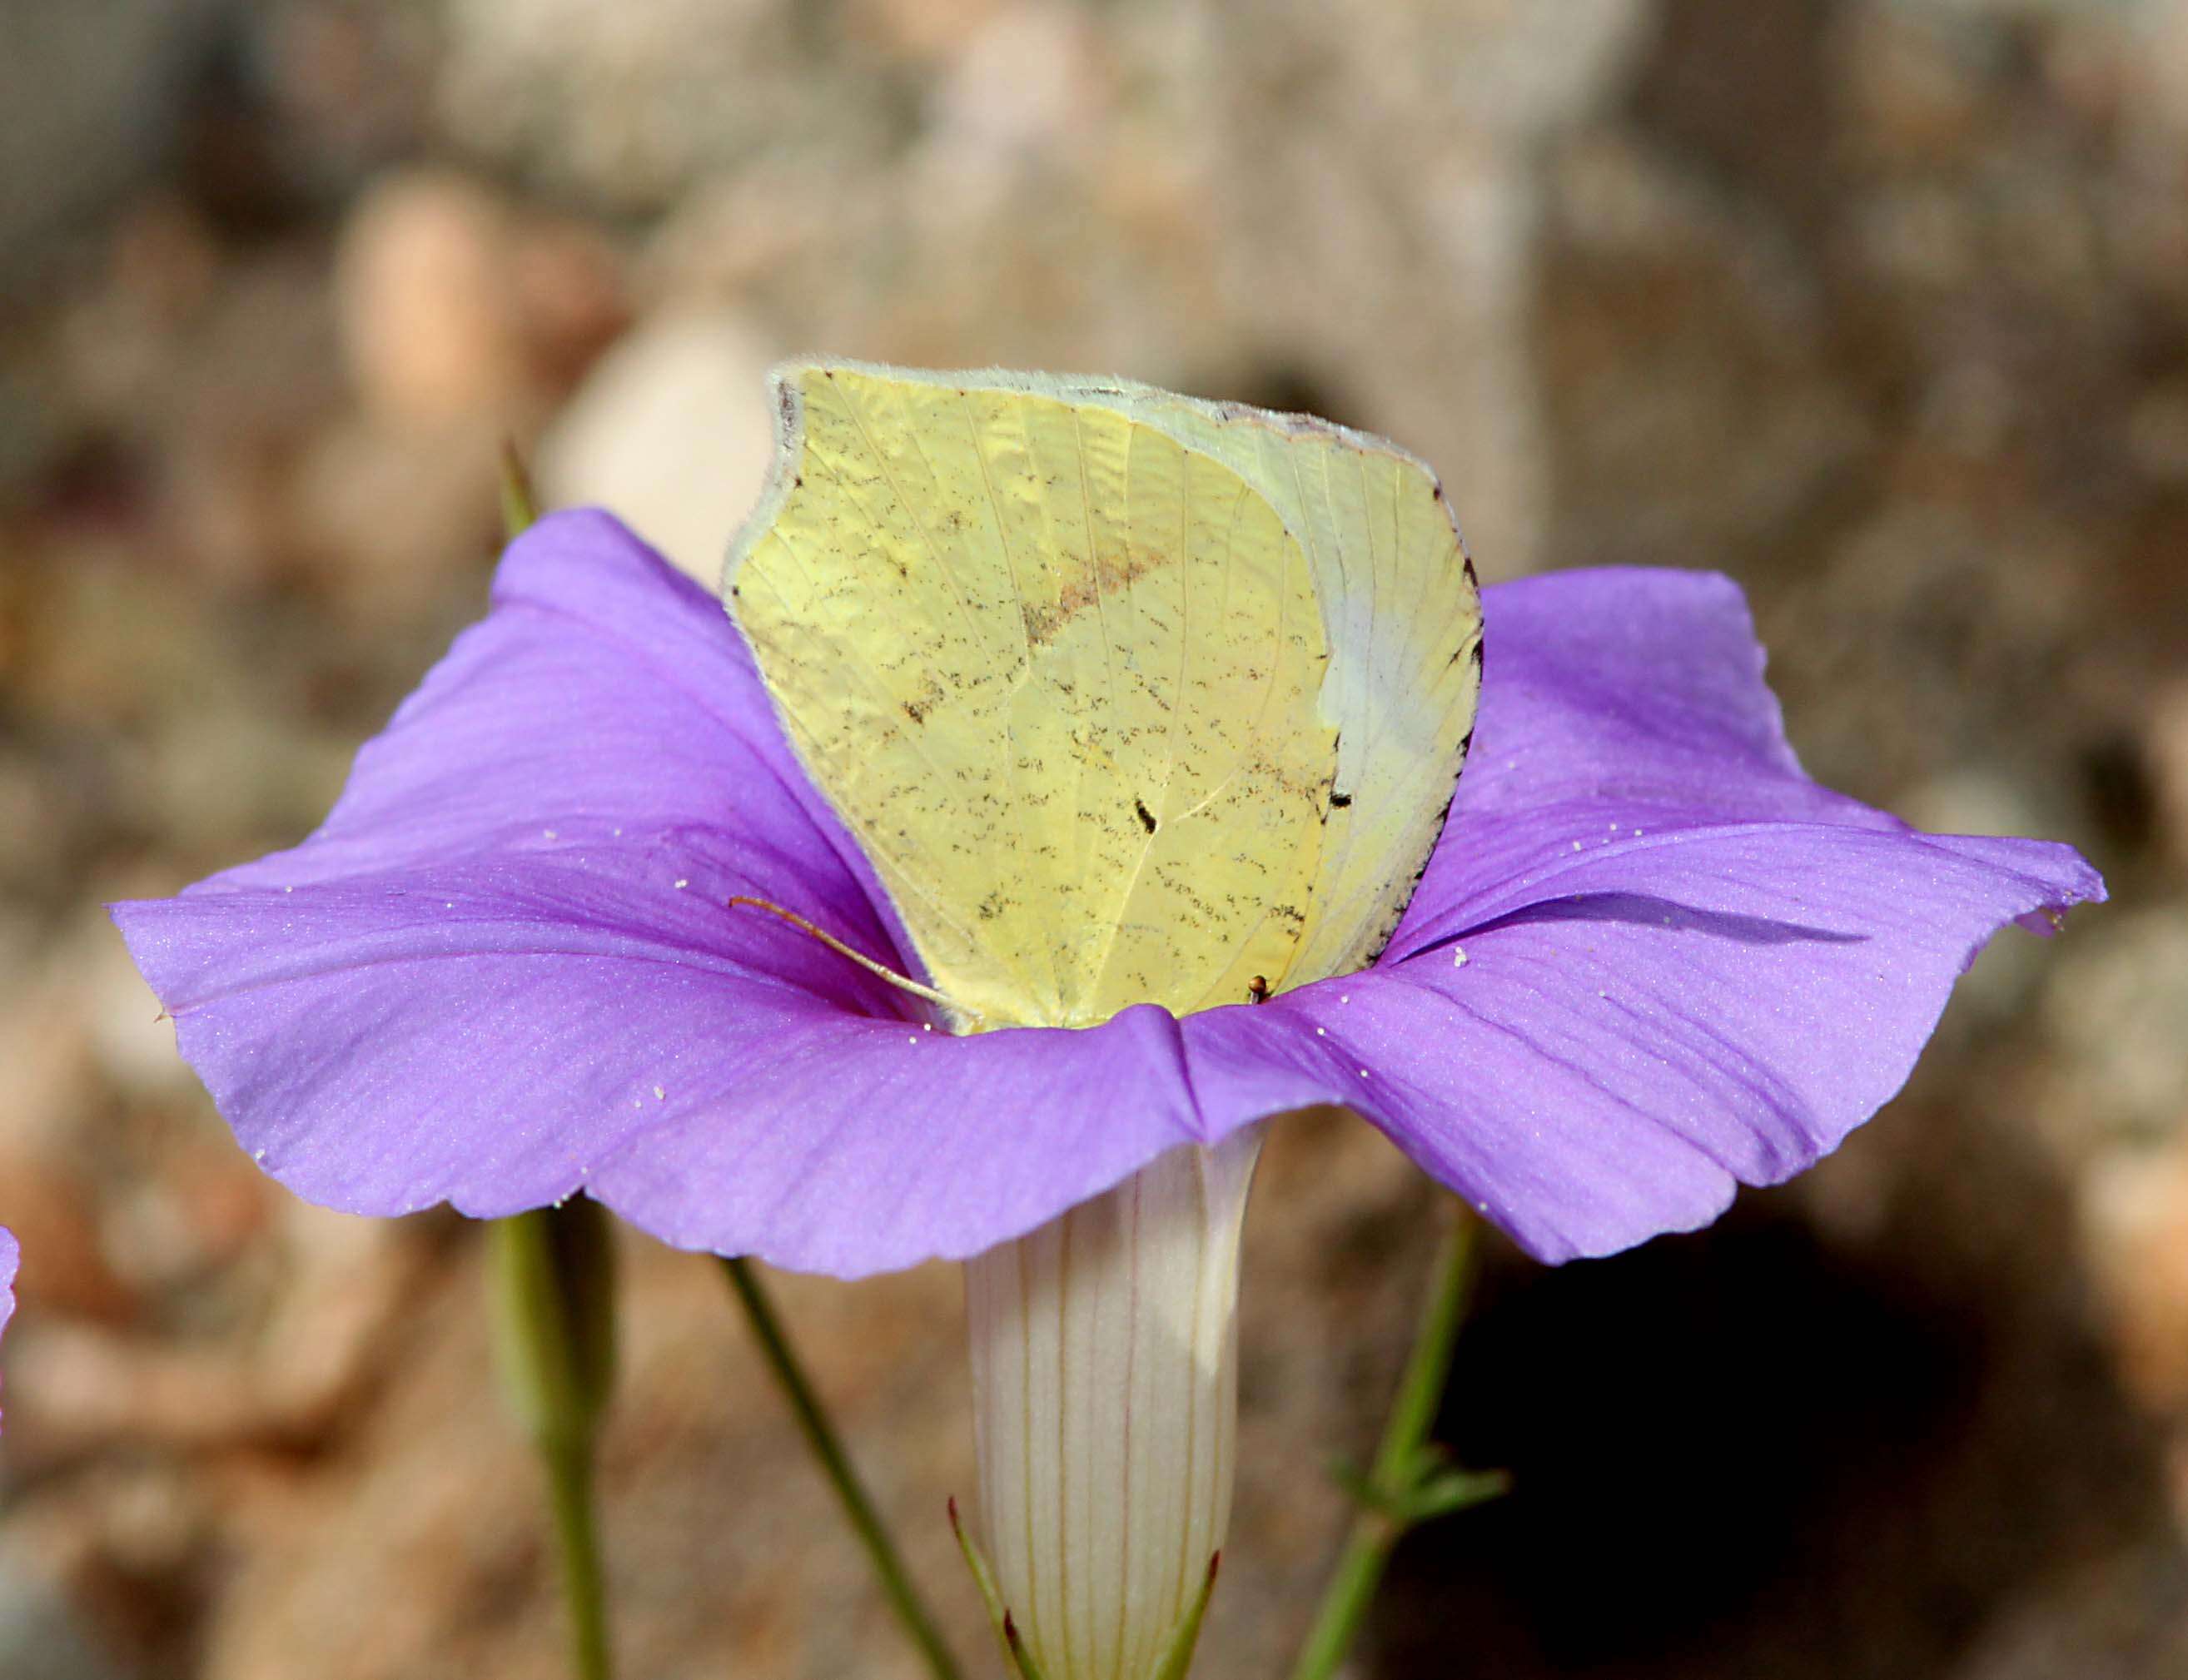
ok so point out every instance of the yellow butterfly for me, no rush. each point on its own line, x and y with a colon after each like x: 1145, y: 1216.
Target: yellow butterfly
x: 1129, y: 698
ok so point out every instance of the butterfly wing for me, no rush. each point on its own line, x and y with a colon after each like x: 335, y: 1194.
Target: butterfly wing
x: 1125, y: 696
x: 1403, y: 617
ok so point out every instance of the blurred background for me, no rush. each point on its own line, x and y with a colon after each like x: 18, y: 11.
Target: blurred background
x: 1881, y: 307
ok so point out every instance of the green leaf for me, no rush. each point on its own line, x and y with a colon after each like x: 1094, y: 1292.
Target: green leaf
x: 1453, y: 1490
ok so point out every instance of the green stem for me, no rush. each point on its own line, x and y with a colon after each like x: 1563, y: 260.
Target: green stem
x: 1404, y: 1465
x: 520, y: 503
x: 570, y: 1490
x: 550, y: 1279
x: 821, y: 1437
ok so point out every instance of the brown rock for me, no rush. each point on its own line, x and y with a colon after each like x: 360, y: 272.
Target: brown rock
x: 2135, y: 1212
x: 426, y: 296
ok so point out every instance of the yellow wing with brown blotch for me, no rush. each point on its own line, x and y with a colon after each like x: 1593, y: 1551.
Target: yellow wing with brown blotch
x: 1128, y: 698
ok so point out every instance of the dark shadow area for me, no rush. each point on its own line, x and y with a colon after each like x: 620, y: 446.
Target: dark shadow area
x: 1645, y: 910
x: 1749, y: 1451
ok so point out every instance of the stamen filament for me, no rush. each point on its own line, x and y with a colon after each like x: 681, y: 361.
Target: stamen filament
x: 880, y: 970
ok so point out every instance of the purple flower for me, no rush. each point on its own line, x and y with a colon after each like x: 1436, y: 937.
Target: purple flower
x: 1650, y: 959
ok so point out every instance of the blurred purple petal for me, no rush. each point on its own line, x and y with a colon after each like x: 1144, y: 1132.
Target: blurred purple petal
x: 10, y: 1254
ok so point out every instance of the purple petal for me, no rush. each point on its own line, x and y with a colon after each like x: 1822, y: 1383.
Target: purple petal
x: 501, y: 1036
x: 504, y: 970
x: 1685, y: 966
x: 10, y: 1254
x: 604, y: 699
x: 1617, y: 705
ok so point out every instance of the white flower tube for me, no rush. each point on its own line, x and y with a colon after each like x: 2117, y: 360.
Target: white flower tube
x: 1105, y: 1380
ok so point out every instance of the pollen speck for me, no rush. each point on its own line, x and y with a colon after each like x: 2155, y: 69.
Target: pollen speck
x: 1459, y: 956
x: 1575, y: 845
x: 660, y: 1095
x: 1321, y: 1032
x: 681, y: 884
x: 549, y: 833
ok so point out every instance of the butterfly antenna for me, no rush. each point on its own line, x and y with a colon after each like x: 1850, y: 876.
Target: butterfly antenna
x: 901, y: 982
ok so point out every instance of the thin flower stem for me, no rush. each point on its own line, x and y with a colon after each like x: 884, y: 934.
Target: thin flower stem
x: 550, y: 1279
x: 821, y: 1437
x: 570, y: 1490
x: 1427, y: 1368
x: 1402, y: 1487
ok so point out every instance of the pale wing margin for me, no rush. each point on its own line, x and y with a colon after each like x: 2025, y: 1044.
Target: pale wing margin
x: 1402, y: 612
